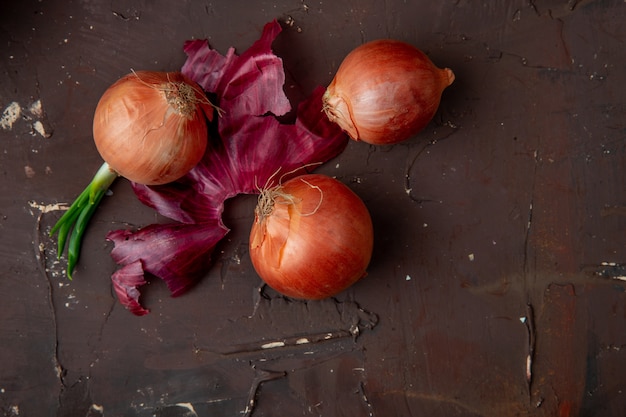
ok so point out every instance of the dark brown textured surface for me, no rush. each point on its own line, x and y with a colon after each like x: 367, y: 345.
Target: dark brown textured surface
x: 500, y: 229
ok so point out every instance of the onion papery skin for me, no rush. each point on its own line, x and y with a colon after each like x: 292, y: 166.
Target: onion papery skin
x: 150, y: 127
x: 385, y: 91
x: 314, y: 241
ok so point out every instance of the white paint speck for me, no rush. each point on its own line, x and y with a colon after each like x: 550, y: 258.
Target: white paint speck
x: 189, y: 407
x: 470, y: 257
x: 36, y: 109
x: 10, y: 115
x: 46, y: 208
x: 272, y: 345
x: 408, y: 278
x: 39, y: 128
x: 29, y: 171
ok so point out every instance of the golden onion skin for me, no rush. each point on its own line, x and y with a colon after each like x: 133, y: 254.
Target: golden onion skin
x: 314, y: 240
x: 385, y: 91
x: 150, y: 127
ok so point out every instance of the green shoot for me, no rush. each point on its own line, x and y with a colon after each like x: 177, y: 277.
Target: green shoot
x: 74, y: 222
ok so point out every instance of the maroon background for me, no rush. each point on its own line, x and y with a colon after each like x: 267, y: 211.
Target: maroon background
x: 510, y: 205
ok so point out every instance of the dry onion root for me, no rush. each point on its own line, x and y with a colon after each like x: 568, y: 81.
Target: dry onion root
x: 312, y: 237
x: 149, y: 127
x: 385, y: 91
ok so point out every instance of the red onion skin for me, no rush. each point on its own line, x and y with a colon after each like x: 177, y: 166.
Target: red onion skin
x: 385, y: 91
x: 317, y: 247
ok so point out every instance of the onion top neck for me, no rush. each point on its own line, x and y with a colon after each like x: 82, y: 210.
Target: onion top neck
x: 181, y: 97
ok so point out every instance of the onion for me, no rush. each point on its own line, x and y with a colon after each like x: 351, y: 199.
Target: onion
x: 385, y: 91
x: 149, y: 127
x: 312, y: 237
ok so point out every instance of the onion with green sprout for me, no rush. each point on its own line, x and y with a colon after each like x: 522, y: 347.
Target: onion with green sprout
x: 149, y: 127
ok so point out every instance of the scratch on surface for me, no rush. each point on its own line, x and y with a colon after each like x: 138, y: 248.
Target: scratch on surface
x: 529, y: 321
x: 257, y: 297
x: 351, y: 321
x: 39, y: 248
x: 529, y: 318
x: 368, y: 404
x: 529, y: 222
x: 188, y: 410
x: 134, y: 16
x: 611, y: 270
x: 438, y: 398
x: 260, y: 377
x: 448, y: 129
x: 573, y: 4
x: 568, y: 56
x: 287, y: 342
x: 407, y: 172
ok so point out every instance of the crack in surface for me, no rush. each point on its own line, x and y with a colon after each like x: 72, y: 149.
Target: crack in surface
x: 529, y: 319
x: 352, y: 314
x: 368, y: 404
x: 260, y: 376
x: 529, y: 322
x: 411, y: 163
x: 40, y: 255
x: 133, y: 14
x: 531, y: 207
x: 50, y: 268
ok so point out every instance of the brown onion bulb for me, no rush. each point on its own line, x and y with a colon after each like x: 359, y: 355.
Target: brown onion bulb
x: 385, y: 91
x: 312, y: 237
x: 150, y: 127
